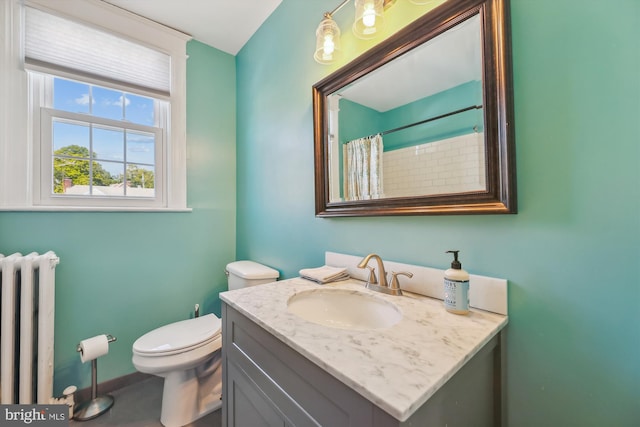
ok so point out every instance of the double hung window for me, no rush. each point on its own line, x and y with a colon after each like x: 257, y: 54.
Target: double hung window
x: 99, y: 144
x: 105, y: 95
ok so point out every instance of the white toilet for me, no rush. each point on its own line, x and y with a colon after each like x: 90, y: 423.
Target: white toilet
x: 187, y: 354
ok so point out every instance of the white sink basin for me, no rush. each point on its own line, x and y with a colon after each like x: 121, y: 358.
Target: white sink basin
x: 344, y: 309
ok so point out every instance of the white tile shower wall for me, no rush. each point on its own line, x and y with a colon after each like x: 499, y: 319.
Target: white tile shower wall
x: 451, y: 165
x: 485, y: 293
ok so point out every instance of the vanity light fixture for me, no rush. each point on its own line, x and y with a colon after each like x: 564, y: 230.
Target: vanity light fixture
x: 327, y: 40
x: 369, y: 19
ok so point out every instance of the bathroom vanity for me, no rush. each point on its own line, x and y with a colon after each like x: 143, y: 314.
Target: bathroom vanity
x: 430, y: 368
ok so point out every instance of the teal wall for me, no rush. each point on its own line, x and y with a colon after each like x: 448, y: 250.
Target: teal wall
x: 463, y: 96
x: 127, y: 273
x: 571, y: 254
x: 357, y: 120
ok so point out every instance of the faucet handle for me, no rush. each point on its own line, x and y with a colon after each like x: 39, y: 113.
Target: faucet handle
x: 372, y: 279
x: 395, y: 283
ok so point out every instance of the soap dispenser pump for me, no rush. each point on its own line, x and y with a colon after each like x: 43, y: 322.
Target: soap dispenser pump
x: 456, y: 287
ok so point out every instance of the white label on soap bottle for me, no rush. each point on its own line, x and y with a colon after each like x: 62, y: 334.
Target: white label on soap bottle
x: 456, y: 295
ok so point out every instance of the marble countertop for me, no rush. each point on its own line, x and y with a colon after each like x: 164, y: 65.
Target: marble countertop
x: 397, y: 368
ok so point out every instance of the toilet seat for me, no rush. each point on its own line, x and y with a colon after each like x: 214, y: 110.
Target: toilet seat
x: 179, y: 337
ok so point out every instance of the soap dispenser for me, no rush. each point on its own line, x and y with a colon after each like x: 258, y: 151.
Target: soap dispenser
x: 456, y: 287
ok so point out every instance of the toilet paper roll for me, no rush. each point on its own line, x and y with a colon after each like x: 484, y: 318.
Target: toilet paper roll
x: 94, y: 347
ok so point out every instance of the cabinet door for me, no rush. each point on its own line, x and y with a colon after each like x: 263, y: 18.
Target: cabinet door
x: 247, y: 404
x: 302, y: 393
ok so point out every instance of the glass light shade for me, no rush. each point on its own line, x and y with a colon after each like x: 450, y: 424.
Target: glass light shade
x: 327, y: 42
x: 369, y: 18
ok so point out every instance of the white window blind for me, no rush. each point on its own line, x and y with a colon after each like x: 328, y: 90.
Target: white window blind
x: 59, y: 44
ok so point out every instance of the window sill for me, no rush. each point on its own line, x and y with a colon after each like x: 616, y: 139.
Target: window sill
x: 88, y: 209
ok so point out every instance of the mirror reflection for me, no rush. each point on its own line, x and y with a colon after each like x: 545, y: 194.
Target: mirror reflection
x: 414, y: 126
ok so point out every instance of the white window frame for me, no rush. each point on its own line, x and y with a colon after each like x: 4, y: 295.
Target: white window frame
x: 21, y: 153
x: 41, y: 87
x: 47, y: 118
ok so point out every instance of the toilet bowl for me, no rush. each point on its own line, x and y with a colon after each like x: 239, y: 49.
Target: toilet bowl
x: 187, y: 354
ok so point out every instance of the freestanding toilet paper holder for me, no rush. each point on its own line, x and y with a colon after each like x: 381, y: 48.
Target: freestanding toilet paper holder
x: 98, y: 404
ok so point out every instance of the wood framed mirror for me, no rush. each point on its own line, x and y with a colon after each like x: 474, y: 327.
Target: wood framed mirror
x: 421, y: 124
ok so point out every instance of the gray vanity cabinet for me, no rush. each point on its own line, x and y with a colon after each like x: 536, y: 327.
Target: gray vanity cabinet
x: 267, y: 383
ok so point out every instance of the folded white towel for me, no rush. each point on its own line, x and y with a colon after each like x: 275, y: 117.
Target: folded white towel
x: 324, y: 274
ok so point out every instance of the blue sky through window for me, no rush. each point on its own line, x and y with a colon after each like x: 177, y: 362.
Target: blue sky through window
x: 83, y: 98
x: 110, y: 144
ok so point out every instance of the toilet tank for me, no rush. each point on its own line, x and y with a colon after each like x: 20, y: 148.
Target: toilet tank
x: 242, y: 274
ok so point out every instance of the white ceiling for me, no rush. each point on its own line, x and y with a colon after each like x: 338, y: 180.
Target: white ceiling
x: 446, y: 61
x: 223, y: 24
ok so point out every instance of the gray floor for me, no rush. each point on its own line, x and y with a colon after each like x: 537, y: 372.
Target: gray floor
x: 138, y: 405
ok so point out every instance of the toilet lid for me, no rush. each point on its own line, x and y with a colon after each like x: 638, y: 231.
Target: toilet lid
x: 179, y: 336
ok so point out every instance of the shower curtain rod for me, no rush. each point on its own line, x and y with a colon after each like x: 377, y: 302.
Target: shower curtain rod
x: 473, y: 107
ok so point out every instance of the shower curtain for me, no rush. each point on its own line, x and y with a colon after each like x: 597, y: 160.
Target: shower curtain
x: 363, y: 168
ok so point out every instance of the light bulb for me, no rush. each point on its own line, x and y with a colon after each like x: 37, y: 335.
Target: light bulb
x: 328, y: 45
x: 369, y: 16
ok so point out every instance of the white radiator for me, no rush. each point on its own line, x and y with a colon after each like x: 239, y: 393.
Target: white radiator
x: 26, y: 327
